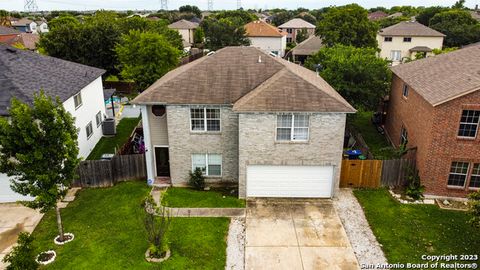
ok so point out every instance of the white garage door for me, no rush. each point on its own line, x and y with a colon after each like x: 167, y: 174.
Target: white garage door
x: 7, y: 194
x: 289, y: 181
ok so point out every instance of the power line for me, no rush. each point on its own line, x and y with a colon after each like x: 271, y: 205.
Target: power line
x: 210, y: 5
x: 239, y: 4
x: 164, y: 4
x: 30, y: 6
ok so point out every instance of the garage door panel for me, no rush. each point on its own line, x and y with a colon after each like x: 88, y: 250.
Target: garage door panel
x: 289, y: 181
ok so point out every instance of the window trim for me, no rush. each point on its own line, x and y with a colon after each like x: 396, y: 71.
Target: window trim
x: 405, y: 90
x: 406, y: 38
x: 205, y: 130
x: 79, y: 94
x: 91, y: 128
x: 390, y: 39
x: 460, y: 123
x: 292, y: 128
x: 206, y: 164
x: 466, y: 175
x: 399, y: 53
x: 472, y: 175
x: 99, y: 123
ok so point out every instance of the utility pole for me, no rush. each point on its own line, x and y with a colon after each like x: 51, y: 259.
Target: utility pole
x: 210, y: 5
x: 164, y: 4
x: 239, y: 4
x: 31, y: 6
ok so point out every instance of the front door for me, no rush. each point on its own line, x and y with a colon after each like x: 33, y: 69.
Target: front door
x: 162, y: 161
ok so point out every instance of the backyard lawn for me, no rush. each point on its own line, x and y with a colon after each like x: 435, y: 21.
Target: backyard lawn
x: 377, y: 143
x: 109, y: 234
x: 409, y: 231
x: 186, y: 197
x: 109, y: 144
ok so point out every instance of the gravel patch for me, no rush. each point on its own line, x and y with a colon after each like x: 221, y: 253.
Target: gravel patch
x: 236, y: 244
x: 365, y: 245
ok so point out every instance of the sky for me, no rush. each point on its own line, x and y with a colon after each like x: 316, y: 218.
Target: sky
x: 217, y: 4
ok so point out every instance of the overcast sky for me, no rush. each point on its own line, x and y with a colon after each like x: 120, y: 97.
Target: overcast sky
x: 217, y: 4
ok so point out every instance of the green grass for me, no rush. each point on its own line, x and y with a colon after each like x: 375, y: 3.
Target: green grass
x: 377, y: 143
x: 409, y: 231
x: 109, y: 144
x: 109, y: 234
x: 186, y: 197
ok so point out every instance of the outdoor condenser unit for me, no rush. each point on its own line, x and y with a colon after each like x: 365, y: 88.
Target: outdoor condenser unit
x: 108, y: 126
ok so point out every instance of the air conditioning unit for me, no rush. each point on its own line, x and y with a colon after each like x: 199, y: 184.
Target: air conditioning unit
x: 108, y: 127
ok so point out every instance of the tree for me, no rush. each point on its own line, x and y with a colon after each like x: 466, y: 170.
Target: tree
x: 4, y: 18
x: 307, y: 17
x: 145, y: 57
x: 458, y: 26
x: 388, y: 21
x: 22, y: 256
x: 425, y: 15
x: 198, y: 35
x: 223, y: 32
x: 39, y: 151
x: 191, y: 9
x: 356, y: 73
x: 281, y: 17
x: 460, y: 4
x: 238, y: 17
x: 474, y: 208
x: 347, y: 25
x: 302, y: 35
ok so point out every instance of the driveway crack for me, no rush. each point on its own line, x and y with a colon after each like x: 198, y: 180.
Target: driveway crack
x: 296, y: 235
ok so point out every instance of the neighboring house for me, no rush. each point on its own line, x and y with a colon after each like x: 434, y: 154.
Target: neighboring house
x: 475, y: 13
x: 404, y: 40
x: 294, y: 26
x: 27, y: 40
x: 266, y: 37
x: 186, y: 30
x: 435, y: 107
x: 395, y: 15
x: 244, y: 117
x: 306, y: 48
x: 377, y: 15
x: 79, y: 88
x: 42, y: 26
x: 8, y: 33
x: 25, y: 25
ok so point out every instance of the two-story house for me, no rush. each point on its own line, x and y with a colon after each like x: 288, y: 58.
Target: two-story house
x: 266, y: 37
x: 245, y: 117
x: 404, y: 40
x: 25, y: 25
x: 434, y: 108
x: 186, y: 30
x: 79, y: 87
x: 294, y: 26
x: 42, y: 26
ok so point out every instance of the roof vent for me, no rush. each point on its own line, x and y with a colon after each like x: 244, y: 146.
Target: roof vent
x: 259, y: 59
x: 272, y: 54
x: 211, y: 53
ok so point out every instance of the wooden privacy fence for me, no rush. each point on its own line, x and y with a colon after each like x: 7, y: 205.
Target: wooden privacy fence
x: 106, y: 173
x: 374, y: 173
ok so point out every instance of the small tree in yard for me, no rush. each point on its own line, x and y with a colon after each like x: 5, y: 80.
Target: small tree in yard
x: 157, y: 220
x: 474, y: 208
x: 197, y: 180
x: 22, y: 256
x: 39, y: 151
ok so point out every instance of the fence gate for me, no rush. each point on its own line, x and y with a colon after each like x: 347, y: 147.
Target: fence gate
x: 361, y: 173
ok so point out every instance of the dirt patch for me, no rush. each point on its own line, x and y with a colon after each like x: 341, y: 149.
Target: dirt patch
x: 9, y: 237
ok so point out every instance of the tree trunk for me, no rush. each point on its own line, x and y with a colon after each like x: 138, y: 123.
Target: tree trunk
x: 59, y: 223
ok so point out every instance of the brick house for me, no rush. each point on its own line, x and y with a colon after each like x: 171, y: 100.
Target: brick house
x: 294, y: 26
x: 244, y: 117
x: 435, y: 106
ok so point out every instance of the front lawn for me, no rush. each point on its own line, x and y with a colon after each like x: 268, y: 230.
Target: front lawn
x: 186, y: 197
x: 109, y: 234
x: 377, y: 143
x: 109, y: 144
x: 409, y: 231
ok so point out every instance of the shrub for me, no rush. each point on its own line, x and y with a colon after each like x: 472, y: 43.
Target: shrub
x: 414, y: 189
x: 197, y: 180
x: 22, y: 256
x: 474, y: 208
x: 157, y: 220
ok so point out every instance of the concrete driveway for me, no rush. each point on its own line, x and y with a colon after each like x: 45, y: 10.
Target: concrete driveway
x: 296, y: 234
x: 15, y: 218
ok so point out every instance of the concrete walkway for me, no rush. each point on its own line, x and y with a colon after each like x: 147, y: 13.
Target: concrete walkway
x: 296, y: 234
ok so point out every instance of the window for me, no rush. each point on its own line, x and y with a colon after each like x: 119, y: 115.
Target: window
x: 403, y: 136
x: 98, y: 118
x: 458, y: 174
x: 475, y: 178
x: 407, y: 39
x: 89, y: 129
x: 289, y: 40
x: 77, y: 99
x: 395, y: 55
x: 289, y: 30
x: 292, y: 127
x: 210, y: 164
x: 388, y: 39
x: 469, y: 123
x: 205, y: 119
x: 405, y: 90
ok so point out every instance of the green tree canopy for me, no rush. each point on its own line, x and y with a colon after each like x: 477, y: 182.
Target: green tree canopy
x: 224, y: 32
x: 238, y: 17
x: 347, y: 25
x: 425, y: 15
x: 388, y: 21
x: 282, y: 17
x: 458, y: 26
x: 145, y: 57
x: 302, y: 35
x: 191, y: 9
x: 356, y: 73
x: 39, y: 151
x: 64, y: 20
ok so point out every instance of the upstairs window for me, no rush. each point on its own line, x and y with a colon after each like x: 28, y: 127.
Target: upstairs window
x: 388, y: 39
x: 205, y: 119
x: 407, y: 39
x: 289, y: 30
x: 405, y: 90
x: 469, y: 124
x: 77, y: 99
x: 292, y: 127
x: 458, y: 174
x: 89, y: 130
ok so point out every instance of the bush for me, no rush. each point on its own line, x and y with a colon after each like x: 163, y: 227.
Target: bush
x: 157, y: 220
x: 474, y: 208
x: 197, y: 180
x: 22, y: 256
x: 414, y: 189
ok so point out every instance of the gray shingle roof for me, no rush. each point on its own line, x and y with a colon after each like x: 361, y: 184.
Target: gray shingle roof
x: 183, y: 24
x: 235, y: 76
x: 444, y: 77
x: 297, y: 23
x: 24, y: 73
x: 309, y: 46
x: 8, y: 31
x: 413, y: 29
